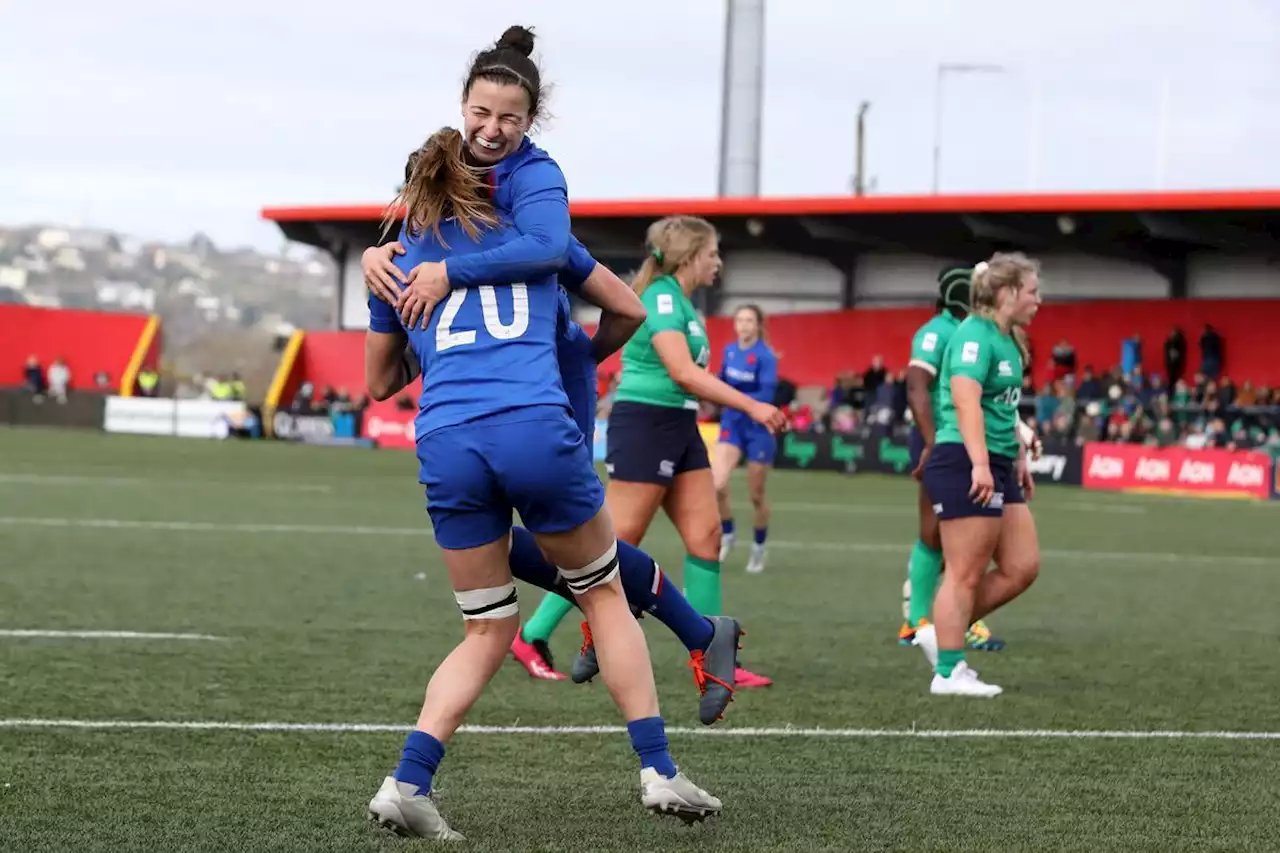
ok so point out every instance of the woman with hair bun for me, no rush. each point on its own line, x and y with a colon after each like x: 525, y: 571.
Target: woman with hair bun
x: 495, y: 433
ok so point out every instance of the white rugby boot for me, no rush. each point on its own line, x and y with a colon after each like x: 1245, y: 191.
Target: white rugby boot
x: 963, y: 681
x: 400, y: 808
x: 676, y: 796
x: 755, y: 564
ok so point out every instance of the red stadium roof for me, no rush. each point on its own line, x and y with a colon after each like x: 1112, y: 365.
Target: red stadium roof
x: 1127, y: 202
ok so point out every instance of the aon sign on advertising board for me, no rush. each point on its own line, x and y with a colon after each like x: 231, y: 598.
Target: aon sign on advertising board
x: 1212, y: 473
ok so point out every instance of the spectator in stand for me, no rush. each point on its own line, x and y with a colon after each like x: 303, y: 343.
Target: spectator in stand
x: 1226, y: 393
x: 1114, y: 384
x: 1211, y: 352
x: 1090, y: 428
x: 59, y: 377
x: 1175, y: 356
x: 1027, y: 398
x: 1059, y: 431
x: 33, y: 378
x: 1166, y: 434
x: 302, y: 400
x: 882, y: 403
x: 1047, y: 401
x: 1153, y: 390
x: 1137, y: 379
x: 840, y: 391
x: 1063, y: 359
x: 102, y: 381
x: 1181, y: 394
x: 1247, y: 395
x: 900, y: 397
x: 874, y: 376
x: 1130, y: 355
x: 1090, y: 388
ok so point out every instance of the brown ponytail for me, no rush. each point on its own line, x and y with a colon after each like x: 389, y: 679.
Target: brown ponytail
x: 442, y: 184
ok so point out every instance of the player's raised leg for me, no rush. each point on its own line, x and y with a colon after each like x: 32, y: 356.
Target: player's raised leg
x: 712, y: 642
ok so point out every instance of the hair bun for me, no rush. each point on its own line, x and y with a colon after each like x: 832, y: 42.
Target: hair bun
x: 980, y: 267
x: 519, y: 39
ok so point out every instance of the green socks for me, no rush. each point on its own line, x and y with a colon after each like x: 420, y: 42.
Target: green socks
x: 948, y: 660
x: 702, y: 585
x: 545, y: 619
x: 926, y: 566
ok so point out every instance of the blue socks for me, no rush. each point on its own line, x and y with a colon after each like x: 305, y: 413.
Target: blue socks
x: 421, y: 756
x: 761, y: 533
x: 645, y: 586
x: 649, y: 740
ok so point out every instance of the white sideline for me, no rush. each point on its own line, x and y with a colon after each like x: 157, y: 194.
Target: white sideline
x: 781, y: 732
x: 424, y: 530
x: 22, y: 479
x: 103, y: 635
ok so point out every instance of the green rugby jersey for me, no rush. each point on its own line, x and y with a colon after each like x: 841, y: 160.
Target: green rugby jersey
x: 927, y: 348
x: 980, y: 351
x: 644, y: 377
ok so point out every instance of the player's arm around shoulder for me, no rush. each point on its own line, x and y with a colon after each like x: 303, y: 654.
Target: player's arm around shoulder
x: 389, y: 364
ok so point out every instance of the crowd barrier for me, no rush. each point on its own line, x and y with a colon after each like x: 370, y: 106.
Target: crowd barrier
x: 182, y: 418
x: 82, y: 409
x: 1246, y: 474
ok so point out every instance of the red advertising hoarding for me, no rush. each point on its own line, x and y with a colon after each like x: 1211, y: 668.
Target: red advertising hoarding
x: 388, y: 425
x: 1177, y: 470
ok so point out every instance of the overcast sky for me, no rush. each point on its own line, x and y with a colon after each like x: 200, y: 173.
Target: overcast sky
x: 161, y: 117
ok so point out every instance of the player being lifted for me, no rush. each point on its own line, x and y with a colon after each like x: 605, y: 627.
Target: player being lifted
x: 711, y: 641
x: 494, y: 432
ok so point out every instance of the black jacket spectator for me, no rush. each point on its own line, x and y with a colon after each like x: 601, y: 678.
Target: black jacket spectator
x: 1175, y: 356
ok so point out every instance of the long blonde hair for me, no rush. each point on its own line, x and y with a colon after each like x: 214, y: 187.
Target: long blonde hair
x: 1004, y: 271
x: 672, y: 242
x: 442, y: 183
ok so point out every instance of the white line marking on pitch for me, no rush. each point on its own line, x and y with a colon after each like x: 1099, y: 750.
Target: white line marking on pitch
x: 835, y: 507
x: 104, y: 635
x: 369, y: 530
x: 84, y: 480
x: 781, y: 732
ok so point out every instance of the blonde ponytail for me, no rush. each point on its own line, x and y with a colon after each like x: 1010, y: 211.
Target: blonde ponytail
x: 672, y: 242
x: 1005, y: 271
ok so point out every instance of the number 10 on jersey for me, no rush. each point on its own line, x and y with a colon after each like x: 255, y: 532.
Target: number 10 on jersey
x: 447, y: 338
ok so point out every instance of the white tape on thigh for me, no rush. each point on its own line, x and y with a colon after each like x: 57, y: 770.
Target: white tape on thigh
x: 598, y: 572
x: 497, y: 602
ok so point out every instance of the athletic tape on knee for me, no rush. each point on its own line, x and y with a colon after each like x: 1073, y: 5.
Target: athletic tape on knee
x: 498, y: 602
x: 598, y: 572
